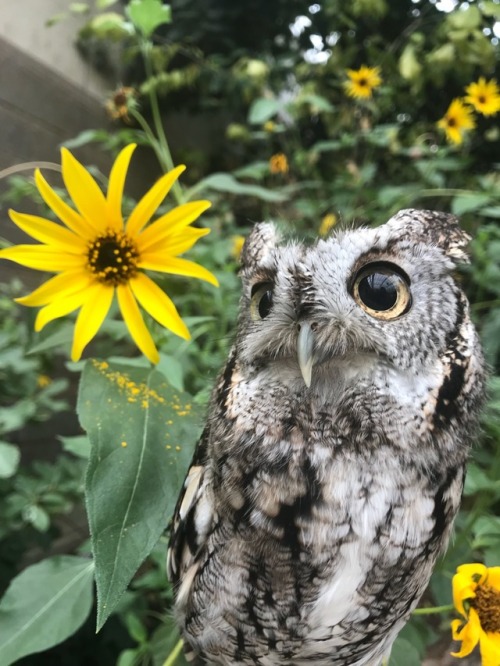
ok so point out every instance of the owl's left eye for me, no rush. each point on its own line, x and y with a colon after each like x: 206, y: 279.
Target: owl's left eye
x: 382, y: 290
x: 262, y: 300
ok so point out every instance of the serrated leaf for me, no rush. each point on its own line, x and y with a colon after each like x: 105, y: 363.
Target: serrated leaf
x: 225, y: 182
x: 9, y: 459
x: 147, y: 15
x: 142, y: 434
x: 44, y: 605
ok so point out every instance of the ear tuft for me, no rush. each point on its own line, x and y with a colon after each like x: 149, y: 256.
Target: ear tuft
x: 433, y: 227
x: 263, y: 238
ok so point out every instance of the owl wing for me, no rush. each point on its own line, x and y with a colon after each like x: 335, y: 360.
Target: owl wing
x: 193, y: 520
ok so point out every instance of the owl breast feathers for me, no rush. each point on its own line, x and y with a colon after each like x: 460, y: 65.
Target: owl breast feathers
x: 331, y: 466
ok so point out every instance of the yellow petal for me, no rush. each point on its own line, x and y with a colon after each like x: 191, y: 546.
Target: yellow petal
x: 469, y: 635
x: 182, y: 242
x: 493, y: 578
x: 172, y: 222
x: 135, y: 323
x: 489, y: 643
x: 116, y: 185
x: 48, y: 232
x: 59, y: 308
x: 464, y: 584
x: 85, y: 192
x: 155, y: 261
x: 91, y: 316
x: 147, y: 206
x: 43, y: 258
x: 60, y: 286
x: 65, y: 213
x: 155, y: 301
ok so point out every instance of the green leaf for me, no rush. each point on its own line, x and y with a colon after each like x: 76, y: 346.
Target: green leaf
x: 404, y: 654
x: 79, y: 7
x: 262, y: 110
x: 9, y: 459
x: 318, y: 102
x: 147, y: 15
x: 465, y: 203
x: 78, y: 445
x: 225, y: 182
x: 44, y: 605
x: 142, y: 434
x: 104, y: 4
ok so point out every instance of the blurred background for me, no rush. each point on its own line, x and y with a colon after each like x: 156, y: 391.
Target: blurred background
x: 316, y: 115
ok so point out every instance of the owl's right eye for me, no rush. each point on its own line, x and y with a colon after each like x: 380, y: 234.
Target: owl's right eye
x: 262, y: 300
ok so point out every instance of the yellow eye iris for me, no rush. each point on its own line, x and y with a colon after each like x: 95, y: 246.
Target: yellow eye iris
x: 262, y: 300
x: 382, y: 290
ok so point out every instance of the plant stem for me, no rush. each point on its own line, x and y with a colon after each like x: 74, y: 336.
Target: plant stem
x: 434, y: 610
x: 170, y: 660
x: 164, y: 155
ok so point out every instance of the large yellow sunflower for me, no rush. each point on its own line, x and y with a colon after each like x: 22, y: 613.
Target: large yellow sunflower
x: 96, y: 254
x: 476, y: 596
x: 457, y: 120
x: 484, y: 96
x: 362, y: 81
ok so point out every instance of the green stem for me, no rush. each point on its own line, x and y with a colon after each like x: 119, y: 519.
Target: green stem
x: 165, y: 157
x: 172, y: 657
x: 433, y: 611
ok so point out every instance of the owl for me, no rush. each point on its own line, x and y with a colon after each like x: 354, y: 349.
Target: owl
x: 331, y: 466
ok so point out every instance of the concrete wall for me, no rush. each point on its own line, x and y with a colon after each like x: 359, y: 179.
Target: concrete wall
x: 23, y: 23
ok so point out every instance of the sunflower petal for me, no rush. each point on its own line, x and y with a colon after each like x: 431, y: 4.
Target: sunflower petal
x: 147, y: 206
x: 48, y: 232
x: 469, y: 634
x: 59, y: 308
x: 90, y: 318
x: 84, y: 191
x: 489, y: 644
x: 43, y: 258
x: 59, y: 286
x: 182, y: 242
x: 172, y: 222
x: 135, y: 323
x: 65, y: 213
x: 155, y: 301
x: 155, y: 261
x: 493, y: 578
x: 465, y: 582
x: 116, y: 185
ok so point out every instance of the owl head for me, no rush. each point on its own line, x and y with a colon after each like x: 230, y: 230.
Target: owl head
x: 360, y: 297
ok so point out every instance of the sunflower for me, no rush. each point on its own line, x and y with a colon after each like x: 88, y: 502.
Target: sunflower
x: 327, y: 224
x: 457, y: 120
x: 278, y: 163
x: 484, y: 96
x: 476, y: 596
x: 98, y: 255
x: 362, y: 81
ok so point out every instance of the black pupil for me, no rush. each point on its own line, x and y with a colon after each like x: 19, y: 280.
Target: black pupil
x: 378, y: 291
x: 265, y: 304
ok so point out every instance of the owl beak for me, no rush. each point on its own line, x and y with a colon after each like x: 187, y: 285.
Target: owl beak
x: 305, y: 351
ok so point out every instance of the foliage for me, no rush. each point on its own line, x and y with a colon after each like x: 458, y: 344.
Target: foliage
x: 297, y: 148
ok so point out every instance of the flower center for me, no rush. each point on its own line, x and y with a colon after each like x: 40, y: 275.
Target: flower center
x: 363, y: 82
x: 113, y: 257
x: 452, y: 122
x: 487, y: 604
x: 481, y: 99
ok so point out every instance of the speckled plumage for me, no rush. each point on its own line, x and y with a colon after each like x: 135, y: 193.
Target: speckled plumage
x: 312, y: 516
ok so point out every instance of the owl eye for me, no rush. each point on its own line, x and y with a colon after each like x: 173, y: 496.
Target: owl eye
x: 262, y: 300
x: 382, y: 290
